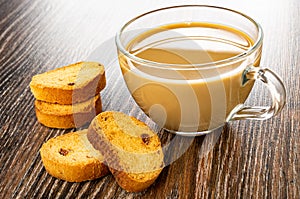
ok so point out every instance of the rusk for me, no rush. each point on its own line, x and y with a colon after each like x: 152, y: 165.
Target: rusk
x: 67, y: 116
x: 130, y: 148
x: 69, y: 84
x: 72, y: 158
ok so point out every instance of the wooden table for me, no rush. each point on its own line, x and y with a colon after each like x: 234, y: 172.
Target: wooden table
x: 248, y: 159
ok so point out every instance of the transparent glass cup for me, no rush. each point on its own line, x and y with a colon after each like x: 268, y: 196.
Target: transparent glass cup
x: 190, y: 68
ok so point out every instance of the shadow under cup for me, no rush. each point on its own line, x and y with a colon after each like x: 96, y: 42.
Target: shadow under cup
x: 191, y: 68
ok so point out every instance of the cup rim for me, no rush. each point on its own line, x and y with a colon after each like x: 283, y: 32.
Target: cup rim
x: 211, y: 65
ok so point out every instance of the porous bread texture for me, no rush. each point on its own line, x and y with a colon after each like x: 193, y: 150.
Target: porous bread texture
x: 130, y: 148
x: 67, y: 116
x: 69, y: 84
x: 72, y: 158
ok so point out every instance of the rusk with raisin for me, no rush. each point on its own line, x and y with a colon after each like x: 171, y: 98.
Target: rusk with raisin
x: 69, y: 84
x: 72, y: 158
x: 130, y: 148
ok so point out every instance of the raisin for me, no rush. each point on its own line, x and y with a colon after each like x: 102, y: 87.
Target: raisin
x: 63, y: 152
x: 71, y: 84
x: 145, y: 138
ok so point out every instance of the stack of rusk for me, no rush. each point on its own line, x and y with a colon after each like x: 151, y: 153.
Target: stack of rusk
x: 69, y: 97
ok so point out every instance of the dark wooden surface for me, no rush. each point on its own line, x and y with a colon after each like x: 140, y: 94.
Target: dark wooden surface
x: 248, y: 159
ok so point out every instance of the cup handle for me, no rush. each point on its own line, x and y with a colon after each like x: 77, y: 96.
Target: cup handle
x: 276, y: 89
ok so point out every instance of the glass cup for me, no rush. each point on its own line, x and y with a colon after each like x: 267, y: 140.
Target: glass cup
x: 190, y: 68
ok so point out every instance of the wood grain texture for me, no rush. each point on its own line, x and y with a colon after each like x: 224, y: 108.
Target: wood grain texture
x: 247, y: 159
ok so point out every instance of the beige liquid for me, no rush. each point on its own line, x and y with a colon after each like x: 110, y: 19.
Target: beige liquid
x: 183, y: 99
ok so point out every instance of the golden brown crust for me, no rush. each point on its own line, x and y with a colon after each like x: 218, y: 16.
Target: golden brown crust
x: 130, y: 184
x: 69, y: 84
x: 67, y: 116
x: 70, y: 157
x: 134, y: 160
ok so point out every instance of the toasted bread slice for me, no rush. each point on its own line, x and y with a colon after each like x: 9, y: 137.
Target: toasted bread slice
x: 130, y: 148
x: 69, y: 84
x: 67, y: 116
x: 72, y: 158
